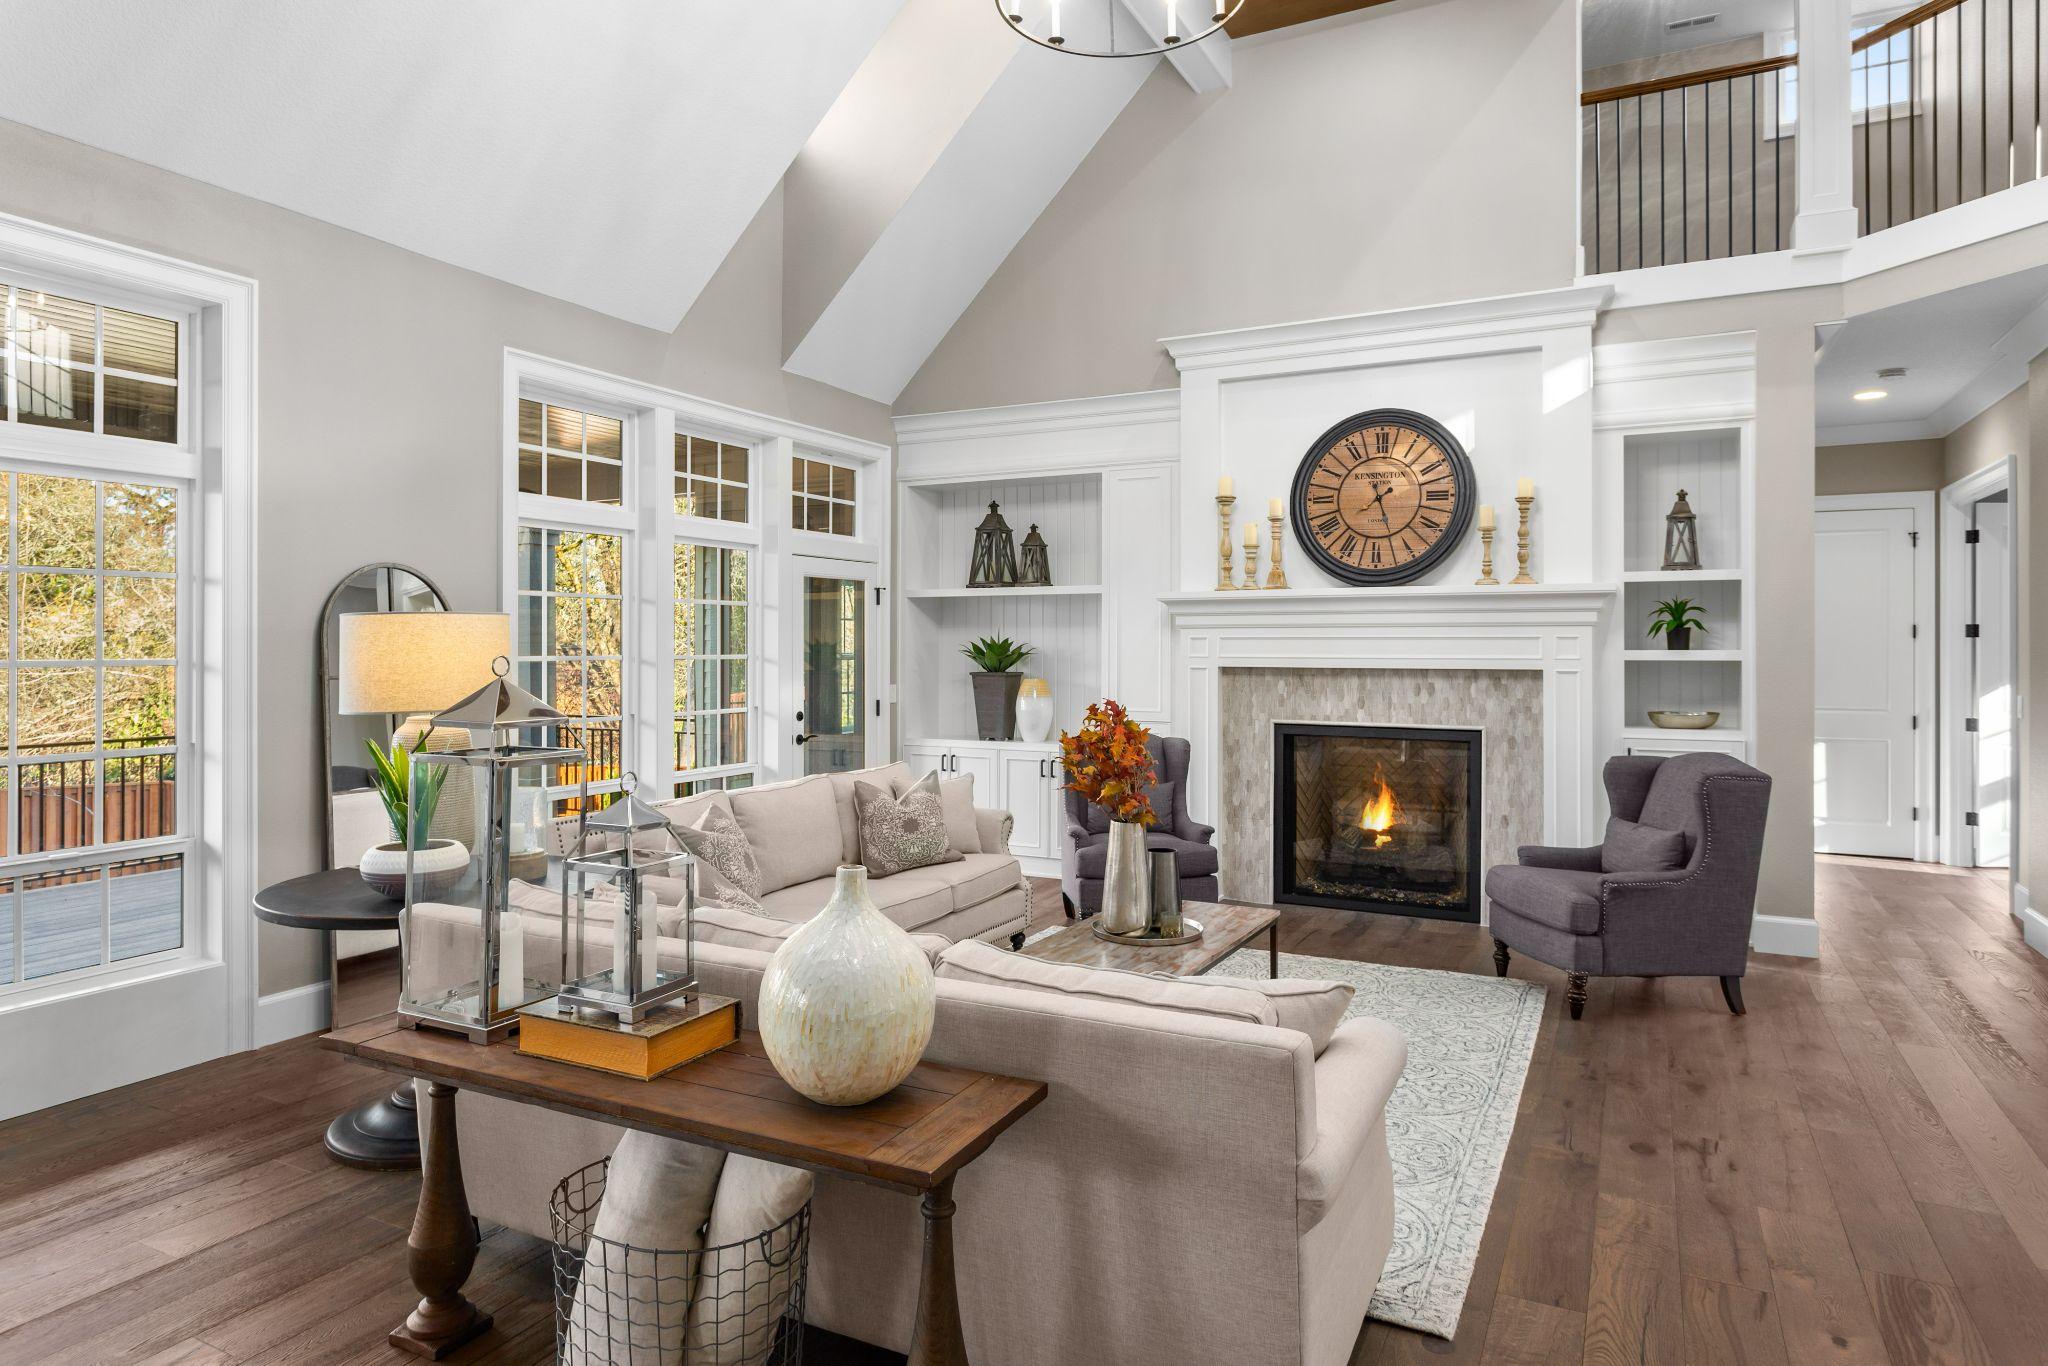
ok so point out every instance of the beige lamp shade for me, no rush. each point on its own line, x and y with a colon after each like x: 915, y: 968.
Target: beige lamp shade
x: 405, y: 663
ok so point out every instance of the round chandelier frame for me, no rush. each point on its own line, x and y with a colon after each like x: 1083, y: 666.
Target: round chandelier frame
x: 1172, y: 41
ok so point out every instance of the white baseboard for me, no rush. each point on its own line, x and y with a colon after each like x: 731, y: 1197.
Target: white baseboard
x: 288, y: 1014
x: 1795, y: 936
x: 2033, y: 925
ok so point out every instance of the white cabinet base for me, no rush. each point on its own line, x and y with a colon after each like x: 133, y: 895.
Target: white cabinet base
x: 1022, y: 779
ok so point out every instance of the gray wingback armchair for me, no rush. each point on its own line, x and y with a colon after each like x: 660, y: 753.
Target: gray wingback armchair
x: 1669, y: 893
x: 1084, y: 846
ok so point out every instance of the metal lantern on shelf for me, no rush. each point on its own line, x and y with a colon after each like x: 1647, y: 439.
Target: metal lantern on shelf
x: 612, y: 902
x: 1034, y: 566
x: 995, y: 556
x: 467, y: 961
x: 1681, y: 536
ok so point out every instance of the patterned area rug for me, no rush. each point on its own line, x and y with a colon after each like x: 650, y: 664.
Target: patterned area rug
x: 1469, y: 1042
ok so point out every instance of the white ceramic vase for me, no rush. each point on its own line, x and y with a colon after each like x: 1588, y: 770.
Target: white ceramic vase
x: 1034, y: 711
x: 846, y: 1003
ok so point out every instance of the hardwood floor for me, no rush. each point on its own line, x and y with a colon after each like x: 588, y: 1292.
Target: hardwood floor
x: 1856, y: 1171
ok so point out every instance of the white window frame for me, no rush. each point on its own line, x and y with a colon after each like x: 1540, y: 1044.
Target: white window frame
x: 649, y: 519
x: 206, y: 989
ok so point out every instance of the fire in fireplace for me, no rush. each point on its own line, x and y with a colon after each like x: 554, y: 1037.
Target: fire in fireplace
x: 1377, y: 818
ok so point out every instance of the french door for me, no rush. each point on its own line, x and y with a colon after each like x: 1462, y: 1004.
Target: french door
x: 834, y: 704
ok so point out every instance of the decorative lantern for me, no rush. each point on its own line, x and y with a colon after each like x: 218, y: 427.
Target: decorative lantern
x: 466, y: 960
x: 995, y: 557
x: 1681, y: 536
x: 624, y: 845
x: 1034, y: 569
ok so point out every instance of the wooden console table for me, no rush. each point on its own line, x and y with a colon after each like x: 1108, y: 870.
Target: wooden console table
x: 913, y: 1140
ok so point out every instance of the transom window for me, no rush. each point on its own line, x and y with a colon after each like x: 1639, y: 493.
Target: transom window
x: 571, y: 639
x: 711, y: 478
x: 569, y: 453
x: 712, y: 650
x: 822, y: 496
x: 83, y: 367
x: 89, y: 707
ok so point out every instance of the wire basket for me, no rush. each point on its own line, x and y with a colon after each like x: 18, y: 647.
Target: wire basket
x: 739, y: 1304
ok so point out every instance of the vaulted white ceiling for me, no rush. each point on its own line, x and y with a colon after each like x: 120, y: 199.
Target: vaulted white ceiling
x: 609, y: 152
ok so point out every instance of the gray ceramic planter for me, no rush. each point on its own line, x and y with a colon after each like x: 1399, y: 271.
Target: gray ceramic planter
x: 995, y: 704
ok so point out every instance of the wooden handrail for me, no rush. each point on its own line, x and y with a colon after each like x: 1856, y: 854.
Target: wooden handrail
x: 1734, y: 71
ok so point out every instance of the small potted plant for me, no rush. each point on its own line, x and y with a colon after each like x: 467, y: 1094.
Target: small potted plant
x: 1675, y: 619
x: 437, y: 864
x: 996, y: 681
x: 1107, y: 762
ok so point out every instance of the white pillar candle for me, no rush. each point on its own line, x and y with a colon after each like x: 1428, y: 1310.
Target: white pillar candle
x: 622, y: 949
x: 1251, y: 535
x: 1225, y: 488
x: 1486, y: 517
x: 650, y: 948
x: 511, y: 958
x: 1525, y: 488
x: 1273, y: 507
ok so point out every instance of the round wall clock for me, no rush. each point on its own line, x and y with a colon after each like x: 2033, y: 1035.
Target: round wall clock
x: 1382, y: 497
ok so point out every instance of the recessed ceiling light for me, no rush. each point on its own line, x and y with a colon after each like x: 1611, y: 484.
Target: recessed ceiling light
x: 1870, y: 395
x: 1877, y: 391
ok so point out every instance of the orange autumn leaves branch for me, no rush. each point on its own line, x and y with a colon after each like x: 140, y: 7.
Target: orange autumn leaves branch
x: 1108, y: 764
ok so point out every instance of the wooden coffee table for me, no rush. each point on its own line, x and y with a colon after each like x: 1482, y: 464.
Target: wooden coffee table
x: 1225, y: 930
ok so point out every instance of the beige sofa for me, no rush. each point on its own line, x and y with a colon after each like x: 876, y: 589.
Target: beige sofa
x: 1195, y: 1191
x: 802, y: 830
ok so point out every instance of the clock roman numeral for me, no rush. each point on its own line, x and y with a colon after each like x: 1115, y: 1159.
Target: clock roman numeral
x: 1432, y: 467
x: 1317, y: 499
x: 1328, y: 524
x: 1382, y: 441
x: 1376, y: 545
x: 1437, y: 495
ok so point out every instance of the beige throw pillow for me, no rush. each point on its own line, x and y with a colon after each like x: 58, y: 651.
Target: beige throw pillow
x: 741, y: 1294
x: 901, y: 833
x: 1315, y: 1008
x: 658, y: 1193
x: 973, y: 961
x: 726, y: 871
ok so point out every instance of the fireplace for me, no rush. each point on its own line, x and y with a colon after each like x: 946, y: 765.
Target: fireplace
x: 1377, y: 818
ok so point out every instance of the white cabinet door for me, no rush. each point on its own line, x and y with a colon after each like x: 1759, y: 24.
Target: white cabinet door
x: 980, y: 760
x: 923, y: 756
x: 1863, y: 682
x: 1027, y: 794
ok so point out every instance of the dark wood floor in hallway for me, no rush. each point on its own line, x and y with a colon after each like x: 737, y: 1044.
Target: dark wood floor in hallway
x: 1856, y: 1171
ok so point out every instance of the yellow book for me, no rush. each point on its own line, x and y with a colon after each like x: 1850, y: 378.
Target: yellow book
x: 663, y: 1040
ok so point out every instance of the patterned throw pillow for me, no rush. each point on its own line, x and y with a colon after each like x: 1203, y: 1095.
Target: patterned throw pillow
x: 900, y: 833
x: 726, y: 872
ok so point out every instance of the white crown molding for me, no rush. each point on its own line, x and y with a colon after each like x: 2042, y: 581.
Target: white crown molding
x: 1875, y: 433
x: 1462, y: 320
x: 1024, y: 419
x: 1677, y: 358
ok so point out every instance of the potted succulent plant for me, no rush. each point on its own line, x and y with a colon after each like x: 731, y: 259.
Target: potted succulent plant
x: 1675, y: 620
x: 995, y: 684
x: 437, y: 864
x: 1108, y: 763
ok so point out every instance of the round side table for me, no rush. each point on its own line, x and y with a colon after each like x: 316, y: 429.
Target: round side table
x: 385, y: 1134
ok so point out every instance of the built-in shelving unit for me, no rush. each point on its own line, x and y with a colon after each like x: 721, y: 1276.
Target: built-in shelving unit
x: 1089, y: 590
x: 1684, y: 658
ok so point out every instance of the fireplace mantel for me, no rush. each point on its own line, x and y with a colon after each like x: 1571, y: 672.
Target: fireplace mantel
x: 1546, y: 628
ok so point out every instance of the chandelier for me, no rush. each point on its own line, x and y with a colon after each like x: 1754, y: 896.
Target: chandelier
x: 1114, y: 28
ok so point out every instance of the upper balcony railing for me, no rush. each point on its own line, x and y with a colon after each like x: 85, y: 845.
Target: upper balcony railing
x: 1945, y: 106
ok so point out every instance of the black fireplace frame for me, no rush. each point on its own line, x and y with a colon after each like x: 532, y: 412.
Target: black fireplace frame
x: 1283, y: 814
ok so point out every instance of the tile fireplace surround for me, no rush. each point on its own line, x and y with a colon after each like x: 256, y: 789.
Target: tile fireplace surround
x: 1516, y: 663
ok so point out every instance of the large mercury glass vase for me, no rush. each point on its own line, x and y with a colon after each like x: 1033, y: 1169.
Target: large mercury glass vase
x: 1126, y: 880
x: 846, y: 1004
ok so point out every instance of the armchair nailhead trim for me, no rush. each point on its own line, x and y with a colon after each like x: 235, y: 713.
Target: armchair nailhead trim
x: 1706, y: 842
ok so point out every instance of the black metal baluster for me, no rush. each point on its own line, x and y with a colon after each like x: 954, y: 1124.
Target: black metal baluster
x: 1983, y: 99
x: 1778, y: 157
x: 2012, y: 132
x: 1684, y: 179
x: 1869, y: 220
x: 1755, y: 92
x: 1599, y: 222
x: 1891, y: 183
x: 1934, y: 114
x: 1728, y: 156
x: 1663, y: 155
x: 1639, y: 184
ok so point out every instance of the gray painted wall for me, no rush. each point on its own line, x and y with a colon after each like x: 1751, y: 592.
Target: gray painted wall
x: 1410, y: 153
x: 1879, y: 467
x: 381, y: 378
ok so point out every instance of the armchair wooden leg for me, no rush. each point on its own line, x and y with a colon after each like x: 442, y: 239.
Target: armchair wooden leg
x: 1500, y: 959
x: 1017, y: 941
x: 1731, y: 992
x: 1575, y: 993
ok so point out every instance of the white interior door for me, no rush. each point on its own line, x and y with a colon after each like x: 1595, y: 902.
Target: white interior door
x: 1863, y: 682
x: 1992, y: 690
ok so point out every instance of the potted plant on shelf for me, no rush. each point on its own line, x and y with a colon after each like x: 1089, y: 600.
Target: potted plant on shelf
x: 1107, y: 762
x: 1674, y: 619
x: 438, y: 864
x: 995, y: 684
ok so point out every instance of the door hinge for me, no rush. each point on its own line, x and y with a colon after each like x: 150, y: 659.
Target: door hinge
x: 1970, y: 631
x: 1971, y: 537
x: 1969, y: 723
x: 1916, y: 537
x: 1969, y: 818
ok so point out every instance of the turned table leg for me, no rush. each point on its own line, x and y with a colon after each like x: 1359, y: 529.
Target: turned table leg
x: 442, y: 1246
x: 936, y: 1340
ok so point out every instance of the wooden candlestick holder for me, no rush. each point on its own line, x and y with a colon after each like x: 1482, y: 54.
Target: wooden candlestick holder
x: 1224, y: 503
x: 1486, y: 577
x: 1276, y: 577
x: 1522, y: 544
x: 1251, y: 566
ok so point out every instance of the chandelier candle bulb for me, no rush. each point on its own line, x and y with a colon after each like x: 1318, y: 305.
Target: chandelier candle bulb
x: 1054, y: 31
x: 1172, y: 23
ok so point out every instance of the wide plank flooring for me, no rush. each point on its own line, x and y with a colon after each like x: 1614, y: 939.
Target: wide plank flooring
x: 1857, y: 1171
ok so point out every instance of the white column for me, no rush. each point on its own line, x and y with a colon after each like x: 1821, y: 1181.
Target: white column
x: 1827, y: 189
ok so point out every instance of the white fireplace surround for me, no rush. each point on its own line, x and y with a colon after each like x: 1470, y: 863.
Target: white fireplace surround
x: 1542, y: 628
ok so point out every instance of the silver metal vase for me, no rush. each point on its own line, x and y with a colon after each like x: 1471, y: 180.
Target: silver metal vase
x: 1126, y: 881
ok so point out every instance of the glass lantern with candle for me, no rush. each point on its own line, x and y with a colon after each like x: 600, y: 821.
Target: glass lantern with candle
x: 470, y: 955
x: 612, y: 909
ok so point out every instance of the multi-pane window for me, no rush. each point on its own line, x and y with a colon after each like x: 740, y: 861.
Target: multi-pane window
x: 711, y: 478
x: 711, y: 653
x: 571, y: 638
x: 1881, y: 75
x: 83, y: 367
x: 822, y: 496
x: 569, y: 453
x: 89, y: 709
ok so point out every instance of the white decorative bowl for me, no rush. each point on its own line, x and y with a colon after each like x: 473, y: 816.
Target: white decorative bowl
x: 437, y: 868
x: 1684, y: 720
